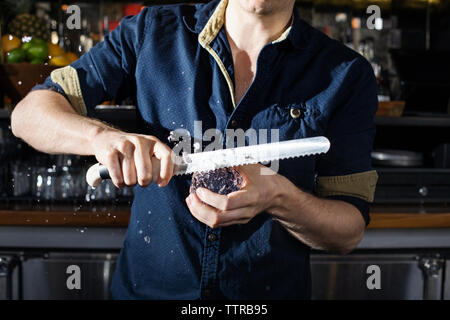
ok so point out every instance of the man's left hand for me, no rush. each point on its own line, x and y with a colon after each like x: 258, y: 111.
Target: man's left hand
x: 239, y: 207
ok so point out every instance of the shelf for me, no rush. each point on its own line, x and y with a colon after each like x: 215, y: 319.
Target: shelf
x: 412, y: 170
x: 5, y: 114
x: 443, y: 121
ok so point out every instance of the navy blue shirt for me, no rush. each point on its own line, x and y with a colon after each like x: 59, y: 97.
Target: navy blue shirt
x: 177, y: 62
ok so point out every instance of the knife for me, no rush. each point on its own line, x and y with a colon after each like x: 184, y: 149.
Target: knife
x: 231, y: 157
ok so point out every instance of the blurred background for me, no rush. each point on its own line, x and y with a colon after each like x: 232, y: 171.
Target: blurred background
x: 50, y: 218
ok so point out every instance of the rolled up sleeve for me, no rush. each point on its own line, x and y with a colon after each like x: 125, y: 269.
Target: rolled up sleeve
x: 100, y: 73
x: 345, y: 172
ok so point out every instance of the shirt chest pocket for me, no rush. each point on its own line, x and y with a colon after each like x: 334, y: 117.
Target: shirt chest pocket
x: 290, y: 121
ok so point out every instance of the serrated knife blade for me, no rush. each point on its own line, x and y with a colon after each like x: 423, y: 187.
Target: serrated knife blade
x: 260, y: 153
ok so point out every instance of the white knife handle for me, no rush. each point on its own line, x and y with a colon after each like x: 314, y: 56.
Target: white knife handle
x: 98, y: 172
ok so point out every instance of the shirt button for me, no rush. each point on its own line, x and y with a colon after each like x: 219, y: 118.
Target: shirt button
x: 233, y: 123
x: 212, y: 237
x: 295, y: 113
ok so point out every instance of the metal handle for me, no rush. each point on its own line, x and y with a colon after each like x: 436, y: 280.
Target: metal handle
x: 432, y: 273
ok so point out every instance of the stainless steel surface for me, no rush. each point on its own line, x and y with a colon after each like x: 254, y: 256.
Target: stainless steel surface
x: 112, y: 238
x: 446, y: 286
x: 9, y: 277
x: 45, y: 277
x: 333, y: 276
x: 408, y: 186
x: 397, y: 158
x: 405, y: 238
x: 345, y: 277
x: 62, y: 237
x: 402, y: 276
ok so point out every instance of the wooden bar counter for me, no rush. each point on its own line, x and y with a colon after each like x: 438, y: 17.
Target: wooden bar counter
x: 382, y: 217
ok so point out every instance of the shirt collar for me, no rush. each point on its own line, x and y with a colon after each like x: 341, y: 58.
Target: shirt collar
x: 203, y: 12
x: 208, y: 19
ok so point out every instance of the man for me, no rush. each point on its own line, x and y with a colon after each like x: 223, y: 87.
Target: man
x: 230, y: 64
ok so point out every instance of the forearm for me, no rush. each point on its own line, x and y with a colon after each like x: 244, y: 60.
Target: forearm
x: 46, y: 121
x: 320, y: 223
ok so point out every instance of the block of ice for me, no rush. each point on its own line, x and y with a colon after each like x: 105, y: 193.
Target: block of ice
x: 222, y: 181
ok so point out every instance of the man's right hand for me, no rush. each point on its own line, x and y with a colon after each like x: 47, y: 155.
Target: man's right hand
x: 47, y: 121
x: 134, y: 158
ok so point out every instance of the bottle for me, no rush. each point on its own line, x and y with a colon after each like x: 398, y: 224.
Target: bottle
x: 86, y: 42
x: 1, y: 49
